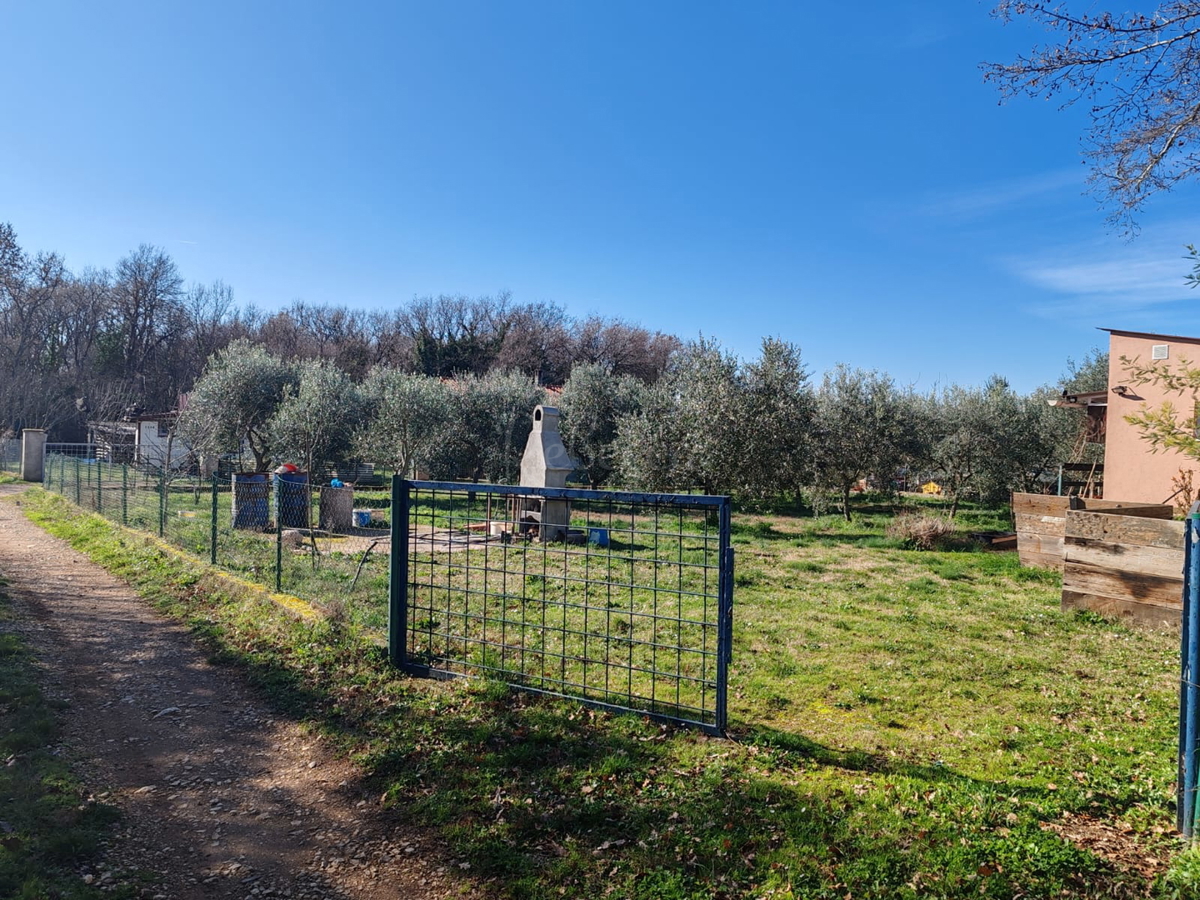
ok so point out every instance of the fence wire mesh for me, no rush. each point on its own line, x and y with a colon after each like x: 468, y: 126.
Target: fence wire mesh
x: 326, y: 545
x: 10, y: 456
x: 618, y: 599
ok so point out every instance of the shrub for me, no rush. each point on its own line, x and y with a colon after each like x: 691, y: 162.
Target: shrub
x: 922, y: 531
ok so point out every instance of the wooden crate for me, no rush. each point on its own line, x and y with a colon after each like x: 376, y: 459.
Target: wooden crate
x: 1121, y: 565
x: 1041, y: 521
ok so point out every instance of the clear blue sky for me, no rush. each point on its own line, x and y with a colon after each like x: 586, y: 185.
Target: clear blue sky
x: 843, y: 180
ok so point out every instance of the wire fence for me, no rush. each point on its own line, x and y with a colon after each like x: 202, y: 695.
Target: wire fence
x: 626, y: 603
x: 10, y: 456
x: 619, y: 599
x: 325, y: 544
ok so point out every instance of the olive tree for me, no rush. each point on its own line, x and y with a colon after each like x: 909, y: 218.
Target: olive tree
x: 492, y: 416
x: 316, y: 420
x: 649, y: 443
x: 981, y: 440
x: 592, y: 402
x: 409, y: 414
x: 776, y: 416
x: 234, y: 401
x: 688, y: 435
x: 863, y: 426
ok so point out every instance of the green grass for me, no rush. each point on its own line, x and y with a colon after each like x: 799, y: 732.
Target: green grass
x: 904, y: 725
x: 50, y: 826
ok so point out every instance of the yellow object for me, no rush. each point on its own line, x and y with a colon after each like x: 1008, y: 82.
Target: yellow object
x: 931, y: 487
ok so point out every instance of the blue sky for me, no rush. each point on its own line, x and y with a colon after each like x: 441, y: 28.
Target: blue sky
x: 842, y: 180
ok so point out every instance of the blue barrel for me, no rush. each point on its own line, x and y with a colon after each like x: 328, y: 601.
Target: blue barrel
x: 291, y: 499
x: 250, y: 500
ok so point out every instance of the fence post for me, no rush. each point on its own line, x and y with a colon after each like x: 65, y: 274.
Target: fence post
x: 278, y: 485
x: 124, y: 493
x: 1189, y: 686
x: 213, y: 554
x: 398, y: 574
x: 724, y: 617
x: 78, y: 478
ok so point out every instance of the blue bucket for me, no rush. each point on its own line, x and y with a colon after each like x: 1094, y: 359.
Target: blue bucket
x: 362, y: 518
x: 598, y: 536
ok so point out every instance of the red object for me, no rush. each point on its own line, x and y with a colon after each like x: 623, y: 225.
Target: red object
x: 287, y: 469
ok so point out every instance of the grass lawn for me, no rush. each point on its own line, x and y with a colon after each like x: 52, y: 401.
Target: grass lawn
x: 904, y: 724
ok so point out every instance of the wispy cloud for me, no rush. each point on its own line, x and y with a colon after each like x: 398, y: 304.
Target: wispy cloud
x: 1119, y: 279
x: 181, y: 241
x: 981, y: 200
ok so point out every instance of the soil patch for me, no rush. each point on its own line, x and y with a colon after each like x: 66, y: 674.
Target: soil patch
x: 220, y: 797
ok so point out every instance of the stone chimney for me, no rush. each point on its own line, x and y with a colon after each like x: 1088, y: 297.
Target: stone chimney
x: 545, y: 463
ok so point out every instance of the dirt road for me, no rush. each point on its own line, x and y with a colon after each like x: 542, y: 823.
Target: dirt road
x: 220, y: 798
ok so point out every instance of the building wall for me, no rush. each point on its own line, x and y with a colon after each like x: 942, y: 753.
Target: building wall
x: 152, y: 449
x: 1131, y: 471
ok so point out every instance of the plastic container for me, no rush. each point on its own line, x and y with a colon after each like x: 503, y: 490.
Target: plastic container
x: 250, y: 490
x: 362, y: 518
x: 337, y: 509
x: 598, y: 536
x: 291, y: 499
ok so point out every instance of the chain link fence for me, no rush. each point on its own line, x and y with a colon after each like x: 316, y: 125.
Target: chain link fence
x: 325, y: 544
x: 10, y: 456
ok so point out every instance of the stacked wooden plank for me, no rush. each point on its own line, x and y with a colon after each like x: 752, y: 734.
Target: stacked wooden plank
x: 1122, y: 565
x: 1041, y: 522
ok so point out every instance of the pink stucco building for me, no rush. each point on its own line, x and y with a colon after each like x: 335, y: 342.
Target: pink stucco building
x: 1132, y: 471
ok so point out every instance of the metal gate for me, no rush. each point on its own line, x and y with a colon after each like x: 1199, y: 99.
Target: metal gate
x: 621, y: 600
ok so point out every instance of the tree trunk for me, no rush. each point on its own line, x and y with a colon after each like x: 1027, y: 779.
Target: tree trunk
x: 846, y: 501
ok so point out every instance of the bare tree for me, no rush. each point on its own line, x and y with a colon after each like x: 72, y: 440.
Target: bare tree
x: 1141, y: 74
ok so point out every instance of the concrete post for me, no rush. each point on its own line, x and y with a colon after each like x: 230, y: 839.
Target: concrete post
x: 33, y: 453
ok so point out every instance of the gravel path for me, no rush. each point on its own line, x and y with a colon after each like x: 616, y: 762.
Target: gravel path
x: 220, y: 798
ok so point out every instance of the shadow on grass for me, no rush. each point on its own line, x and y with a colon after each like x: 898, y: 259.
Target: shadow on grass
x: 539, y: 797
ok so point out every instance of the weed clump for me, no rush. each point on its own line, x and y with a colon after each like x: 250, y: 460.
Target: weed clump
x: 922, y: 531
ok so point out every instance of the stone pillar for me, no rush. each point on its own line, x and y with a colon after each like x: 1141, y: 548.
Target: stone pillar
x: 33, y: 453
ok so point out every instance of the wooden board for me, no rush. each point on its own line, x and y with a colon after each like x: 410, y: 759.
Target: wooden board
x: 1154, y: 589
x: 1036, y: 523
x: 1039, y: 504
x: 1122, y: 529
x: 1051, y: 504
x: 1165, y: 562
x: 1039, y: 550
x: 1130, y: 610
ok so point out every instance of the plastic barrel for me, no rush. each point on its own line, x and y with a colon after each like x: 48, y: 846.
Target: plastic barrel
x: 291, y: 500
x: 250, y: 500
x: 337, y: 509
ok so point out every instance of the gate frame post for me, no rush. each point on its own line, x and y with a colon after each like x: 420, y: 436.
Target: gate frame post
x: 398, y: 574
x: 1189, y: 676
x: 724, y: 618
